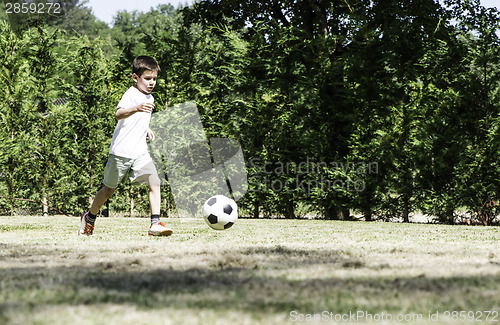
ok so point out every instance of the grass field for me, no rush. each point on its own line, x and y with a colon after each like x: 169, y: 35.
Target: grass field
x: 257, y: 272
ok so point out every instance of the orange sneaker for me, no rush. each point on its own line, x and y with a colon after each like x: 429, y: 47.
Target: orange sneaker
x: 86, y: 229
x: 159, y: 229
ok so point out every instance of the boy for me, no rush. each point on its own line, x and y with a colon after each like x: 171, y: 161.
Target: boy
x: 128, y: 153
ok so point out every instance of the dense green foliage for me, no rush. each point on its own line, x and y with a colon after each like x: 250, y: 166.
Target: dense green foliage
x: 373, y: 107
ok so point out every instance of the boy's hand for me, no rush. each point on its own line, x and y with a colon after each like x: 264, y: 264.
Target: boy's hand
x: 146, y: 107
x: 150, y: 135
x: 122, y: 113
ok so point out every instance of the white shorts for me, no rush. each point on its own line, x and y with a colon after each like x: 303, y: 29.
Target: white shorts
x: 119, y: 167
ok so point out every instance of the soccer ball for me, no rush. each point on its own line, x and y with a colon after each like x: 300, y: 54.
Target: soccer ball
x: 220, y: 212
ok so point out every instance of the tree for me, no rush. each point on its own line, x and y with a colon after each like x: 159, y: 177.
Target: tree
x: 14, y: 77
x: 79, y: 20
x: 44, y: 64
x: 479, y: 33
x: 93, y: 100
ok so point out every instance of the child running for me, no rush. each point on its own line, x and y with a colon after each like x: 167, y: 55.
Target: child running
x: 128, y: 153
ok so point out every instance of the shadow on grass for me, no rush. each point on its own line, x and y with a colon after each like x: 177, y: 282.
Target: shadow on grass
x: 251, y: 279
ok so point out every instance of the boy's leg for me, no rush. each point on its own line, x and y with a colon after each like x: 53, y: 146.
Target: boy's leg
x: 116, y: 168
x: 144, y: 170
x: 154, y: 194
x: 88, y: 219
x: 157, y: 228
x: 101, y: 197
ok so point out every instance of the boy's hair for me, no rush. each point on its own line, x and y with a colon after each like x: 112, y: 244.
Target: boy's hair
x: 143, y: 63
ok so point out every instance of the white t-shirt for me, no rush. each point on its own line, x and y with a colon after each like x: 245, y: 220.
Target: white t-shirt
x: 129, y: 138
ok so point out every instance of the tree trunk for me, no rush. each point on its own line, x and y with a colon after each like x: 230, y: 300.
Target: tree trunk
x: 289, y: 209
x: 367, y: 213
x: 131, y: 207
x: 337, y: 213
x: 165, y: 212
x: 450, y: 216
x: 256, y: 210
x: 406, y: 210
x: 11, y: 186
x: 45, y: 202
x: 131, y: 195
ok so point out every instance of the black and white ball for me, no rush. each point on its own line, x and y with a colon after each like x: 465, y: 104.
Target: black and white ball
x: 220, y: 212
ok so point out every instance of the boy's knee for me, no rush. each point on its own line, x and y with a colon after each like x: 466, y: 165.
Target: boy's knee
x: 154, y: 182
x: 154, y: 187
x: 108, y: 190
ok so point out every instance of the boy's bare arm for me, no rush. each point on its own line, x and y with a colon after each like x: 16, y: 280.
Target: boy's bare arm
x: 122, y: 113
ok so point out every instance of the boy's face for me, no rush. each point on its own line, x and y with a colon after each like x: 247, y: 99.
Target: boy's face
x: 146, y: 82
